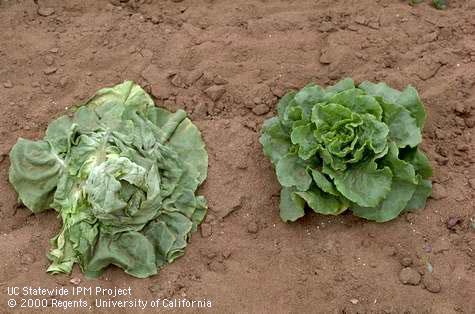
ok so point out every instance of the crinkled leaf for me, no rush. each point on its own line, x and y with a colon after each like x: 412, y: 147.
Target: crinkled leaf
x: 355, y: 100
x: 326, y: 116
x: 373, y: 133
x: 303, y: 136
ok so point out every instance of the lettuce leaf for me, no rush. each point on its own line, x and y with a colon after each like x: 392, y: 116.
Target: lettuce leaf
x: 122, y: 174
x: 349, y: 147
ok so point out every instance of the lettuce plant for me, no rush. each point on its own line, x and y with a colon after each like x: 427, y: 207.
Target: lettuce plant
x: 122, y: 174
x: 349, y: 147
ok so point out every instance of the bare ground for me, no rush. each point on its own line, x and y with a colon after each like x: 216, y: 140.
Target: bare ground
x: 245, y: 260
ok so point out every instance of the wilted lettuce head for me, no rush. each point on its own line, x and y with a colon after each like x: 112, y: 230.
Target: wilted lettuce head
x: 349, y: 147
x: 122, y: 174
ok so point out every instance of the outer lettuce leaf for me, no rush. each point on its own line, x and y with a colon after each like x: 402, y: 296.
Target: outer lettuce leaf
x: 394, y: 203
x: 291, y: 205
x: 347, y: 146
x: 34, y: 172
x: 275, y: 141
x: 323, y: 203
x: 410, y: 100
x: 324, y: 183
x: 341, y: 86
x: 122, y: 175
x: 422, y: 192
x: 292, y: 172
x: 403, y: 112
x: 402, y: 126
x: 363, y: 183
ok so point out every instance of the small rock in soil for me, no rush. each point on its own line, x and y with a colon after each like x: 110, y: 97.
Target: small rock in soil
x: 217, y: 266
x: 63, y: 81
x: 206, y: 230
x: 146, y: 53
x: 177, y: 81
x: 410, y: 218
x: 236, y: 204
x: 441, y: 245
x: 154, y: 288
x: 440, y: 134
x: 471, y: 182
x: 354, y: 301
x: 453, y: 221
x: 460, y: 108
x: 208, y: 253
x: 325, y: 57
x: 252, y: 125
x: 427, y: 248
x: 470, y: 122
x: 193, y: 76
x: 49, y: 60
x: 8, y: 84
x: 219, y: 80
x: 406, y: 261
x: 260, y: 109
x: 438, y: 191
x: 366, y: 243
x: 462, y: 147
x: 215, y: 92
x: 45, y: 11
x: 374, y: 25
x: 75, y: 281
x: 389, y: 250
x: 409, y: 276
x: 441, y: 160
x: 361, y: 20
x: 210, y: 218
x: 50, y: 70
x: 226, y: 253
x: 252, y: 227
x: 27, y: 259
x: 200, y: 111
x: 431, y: 283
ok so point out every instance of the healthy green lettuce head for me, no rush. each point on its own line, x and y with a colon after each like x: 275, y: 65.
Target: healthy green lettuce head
x: 122, y: 174
x: 349, y: 147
